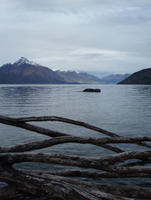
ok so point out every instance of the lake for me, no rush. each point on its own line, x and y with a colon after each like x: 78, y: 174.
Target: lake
x: 123, y: 109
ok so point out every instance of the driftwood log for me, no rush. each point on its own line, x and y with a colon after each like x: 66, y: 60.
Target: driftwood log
x: 84, y: 179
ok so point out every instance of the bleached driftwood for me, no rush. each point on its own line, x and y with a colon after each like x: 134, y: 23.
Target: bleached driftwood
x: 62, y: 184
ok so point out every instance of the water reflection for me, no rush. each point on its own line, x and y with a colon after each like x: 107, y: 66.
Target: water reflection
x: 20, y: 99
x: 24, y: 92
x: 144, y: 90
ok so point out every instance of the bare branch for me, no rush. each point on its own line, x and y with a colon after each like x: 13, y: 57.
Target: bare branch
x: 72, y: 139
x: 60, y: 140
x: 57, y: 184
x: 69, y: 121
x: 92, y: 174
x: 20, y: 122
x: 104, y: 163
x: 37, y: 129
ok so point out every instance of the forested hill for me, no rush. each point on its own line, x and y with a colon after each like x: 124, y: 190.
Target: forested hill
x: 140, y: 77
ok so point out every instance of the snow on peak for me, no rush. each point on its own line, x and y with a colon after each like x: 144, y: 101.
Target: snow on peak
x: 24, y: 60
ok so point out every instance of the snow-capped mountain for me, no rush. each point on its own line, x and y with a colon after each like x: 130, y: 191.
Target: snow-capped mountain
x: 24, y: 60
x: 24, y: 71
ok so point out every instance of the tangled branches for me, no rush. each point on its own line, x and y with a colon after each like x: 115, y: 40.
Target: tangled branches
x: 83, y: 180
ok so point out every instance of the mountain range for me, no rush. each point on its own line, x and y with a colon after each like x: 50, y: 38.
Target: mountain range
x: 24, y: 71
x: 78, y: 77
x: 114, y: 78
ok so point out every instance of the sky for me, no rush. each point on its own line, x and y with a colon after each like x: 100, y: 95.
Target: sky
x: 111, y: 36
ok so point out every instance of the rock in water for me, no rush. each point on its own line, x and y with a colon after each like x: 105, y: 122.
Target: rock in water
x: 91, y: 90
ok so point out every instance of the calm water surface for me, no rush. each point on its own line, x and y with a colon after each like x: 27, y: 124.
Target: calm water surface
x: 124, y: 109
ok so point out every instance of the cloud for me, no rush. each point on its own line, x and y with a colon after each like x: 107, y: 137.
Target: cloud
x: 83, y: 35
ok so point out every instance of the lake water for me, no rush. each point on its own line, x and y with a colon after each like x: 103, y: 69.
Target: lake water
x: 123, y: 109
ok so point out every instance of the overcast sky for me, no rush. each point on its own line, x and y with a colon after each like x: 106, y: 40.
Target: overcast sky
x: 84, y: 35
